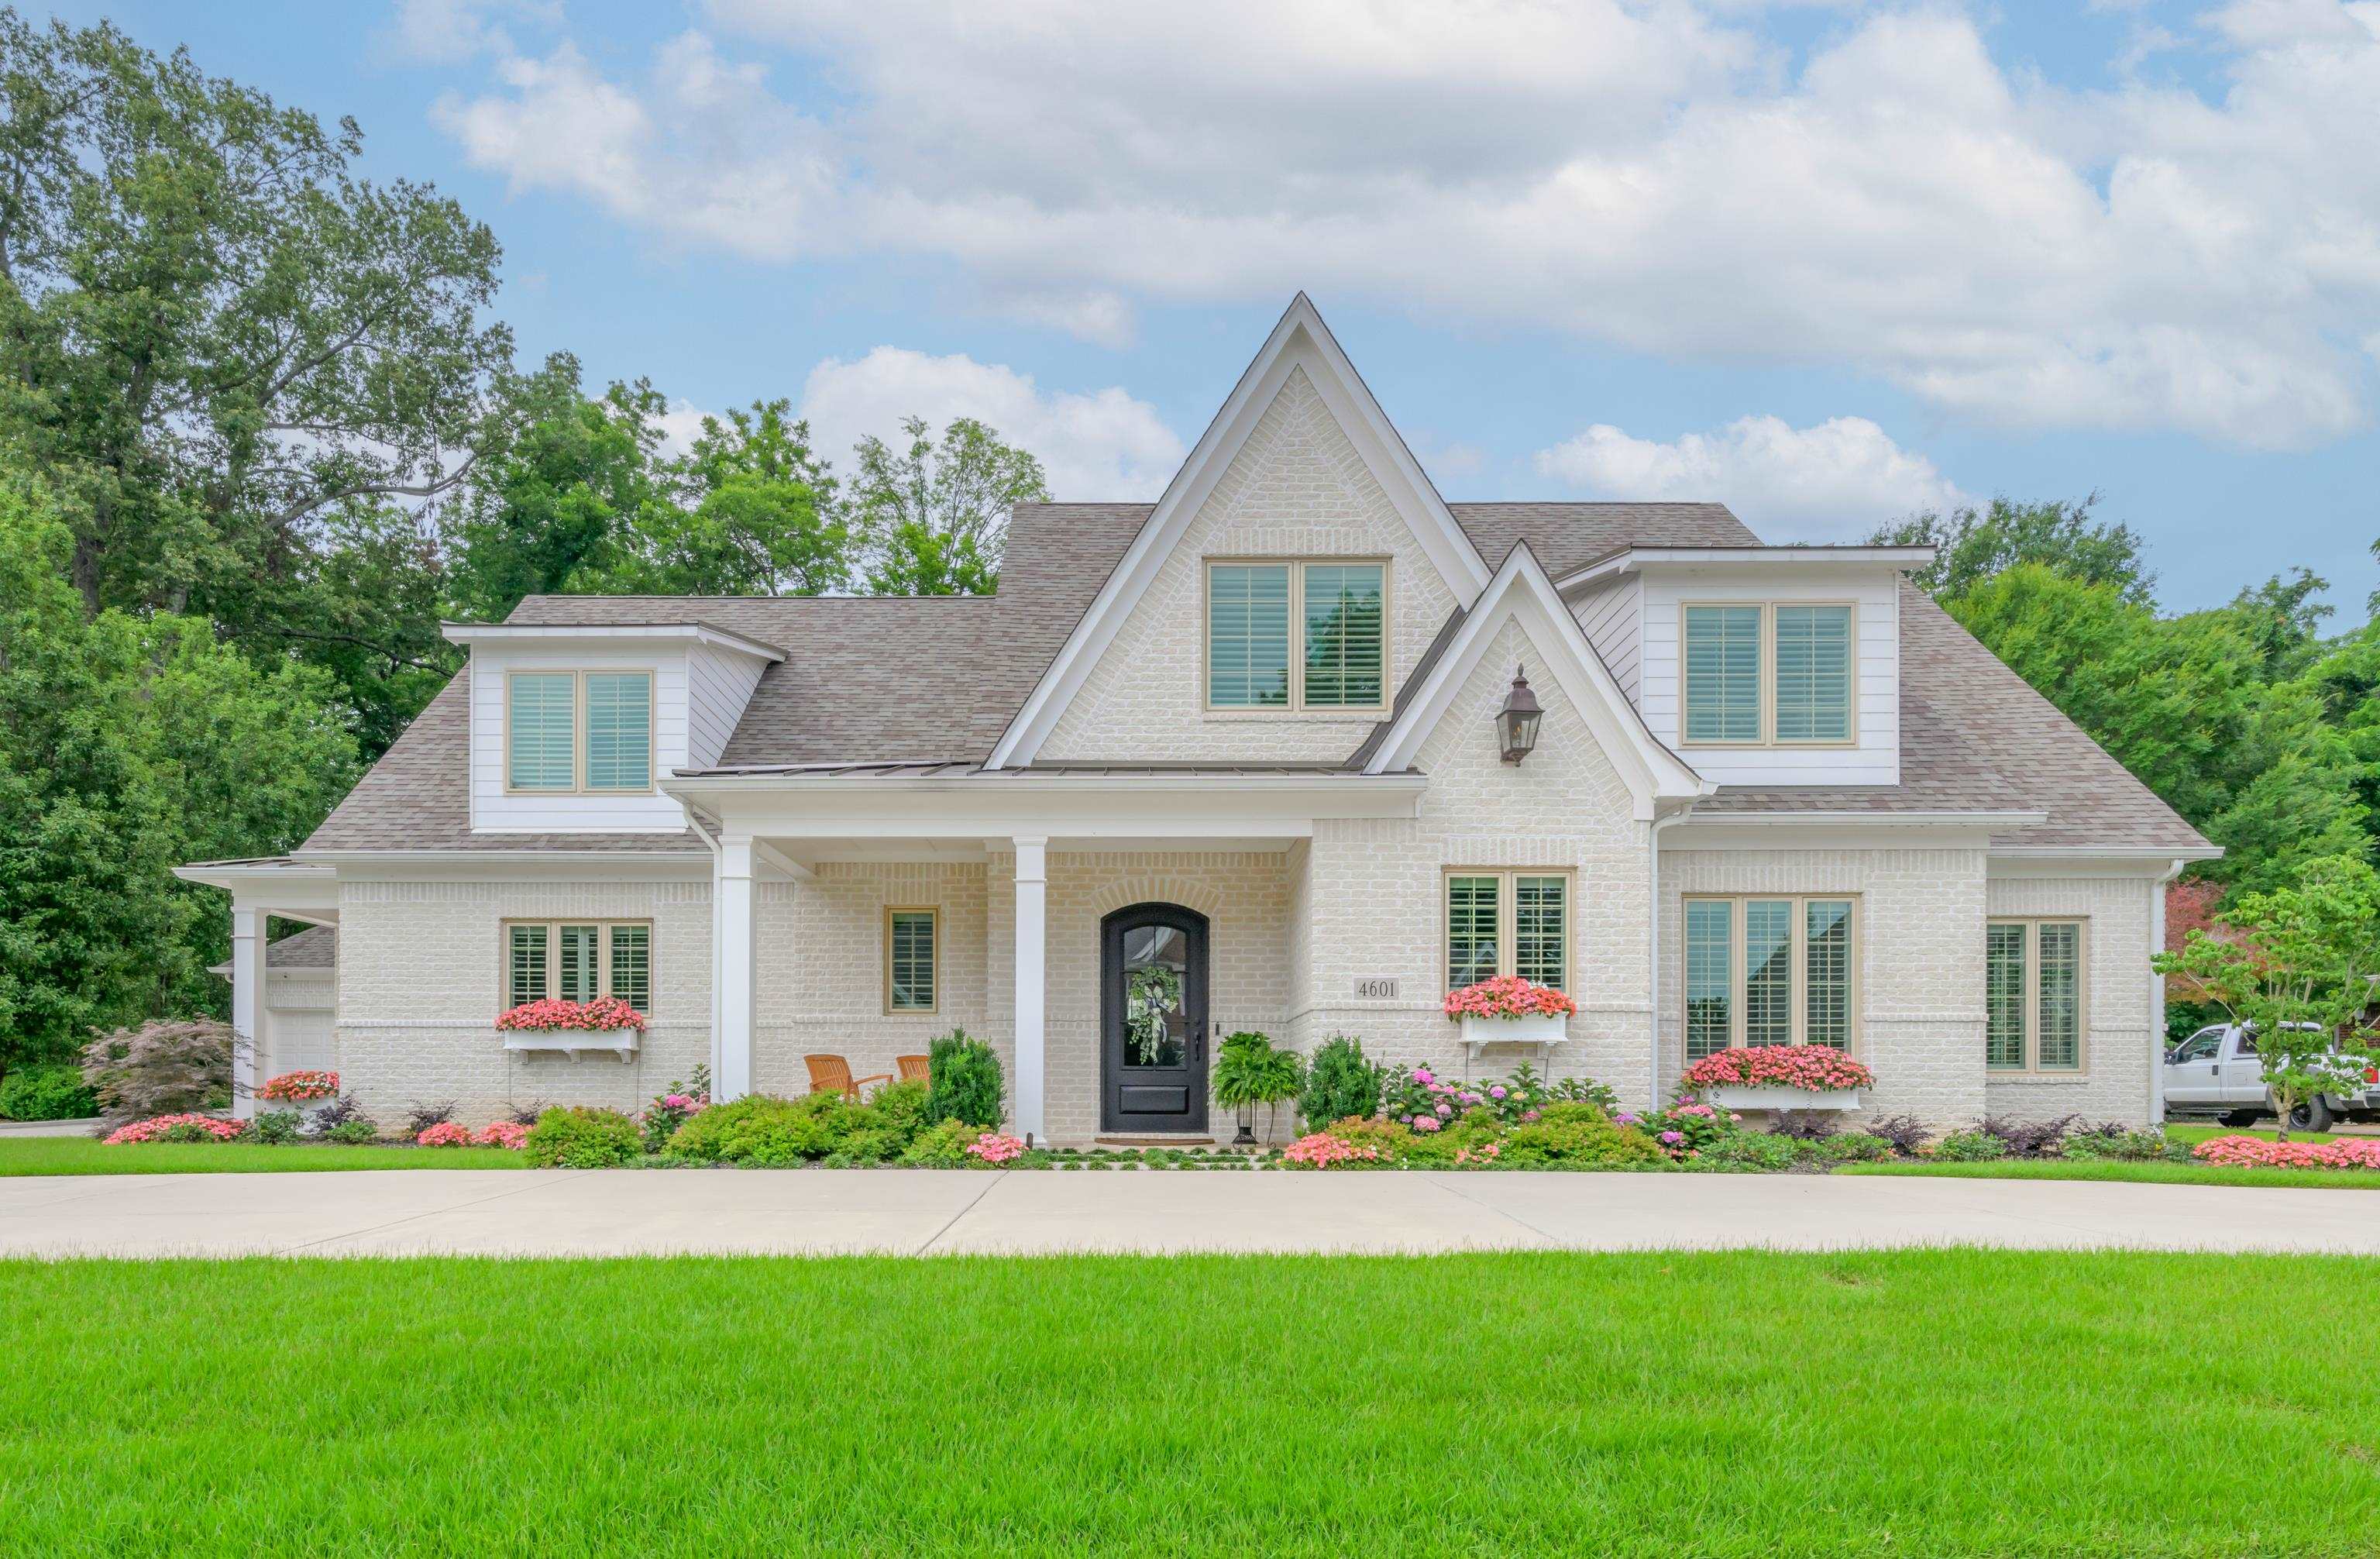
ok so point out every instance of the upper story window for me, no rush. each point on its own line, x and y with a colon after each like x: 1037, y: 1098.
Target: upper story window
x: 1768, y: 674
x: 1298, y: 635
x: 569, y: 731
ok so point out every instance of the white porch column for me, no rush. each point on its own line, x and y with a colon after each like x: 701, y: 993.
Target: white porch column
x: 1032, y: 972
x: 247, y: 1005
x: 732, y: 924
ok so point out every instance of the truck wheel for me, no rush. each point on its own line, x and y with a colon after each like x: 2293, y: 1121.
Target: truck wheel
x: 2243, y: 1117
x: 2311, y: 1116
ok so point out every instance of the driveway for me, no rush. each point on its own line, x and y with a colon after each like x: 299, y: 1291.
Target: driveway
x: 623, y: 1212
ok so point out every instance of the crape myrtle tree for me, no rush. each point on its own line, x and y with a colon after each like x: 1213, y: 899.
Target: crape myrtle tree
x: 2299, y: 963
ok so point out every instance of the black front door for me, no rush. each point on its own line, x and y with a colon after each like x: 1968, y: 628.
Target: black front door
x: 1153, y: 1019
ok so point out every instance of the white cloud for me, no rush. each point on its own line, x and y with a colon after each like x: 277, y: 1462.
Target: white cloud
x: 1833, y: 482
x: 1103, y: 445
x: 1655, y: 178
x: 444, y: 32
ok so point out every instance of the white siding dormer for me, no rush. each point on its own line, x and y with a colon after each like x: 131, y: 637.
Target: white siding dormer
x: 701, y: 679
x: 1871, y: 757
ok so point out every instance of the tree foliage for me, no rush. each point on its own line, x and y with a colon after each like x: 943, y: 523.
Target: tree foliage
x: 932, y: 518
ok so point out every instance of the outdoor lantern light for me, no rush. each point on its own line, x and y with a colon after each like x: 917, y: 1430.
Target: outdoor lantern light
x: 1516, y: 723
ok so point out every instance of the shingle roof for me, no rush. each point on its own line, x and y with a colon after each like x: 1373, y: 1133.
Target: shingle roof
x: 316, y: 948
x: 1974, y: 736
x: 929, y: 682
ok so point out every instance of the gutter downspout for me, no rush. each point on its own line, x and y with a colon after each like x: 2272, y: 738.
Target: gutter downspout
x: 1654, y: 1038
x: 710, y: 839
x: 2156, y: 998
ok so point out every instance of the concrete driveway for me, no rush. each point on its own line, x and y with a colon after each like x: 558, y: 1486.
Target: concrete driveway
x: 621, y: 1212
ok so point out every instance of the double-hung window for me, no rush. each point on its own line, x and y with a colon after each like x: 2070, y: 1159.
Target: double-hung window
x: 1768, y: 972
x: 578, y: 731
x: 1508, y: 922
x: 911, y: 974
x: 2032, y: 995
x: 1767, y: 673
x: 1298, y: 635
x: 579, y: 961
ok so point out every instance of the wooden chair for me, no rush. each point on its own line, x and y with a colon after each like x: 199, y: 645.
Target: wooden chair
x: 831, y: 1074
x: 915, y: 1069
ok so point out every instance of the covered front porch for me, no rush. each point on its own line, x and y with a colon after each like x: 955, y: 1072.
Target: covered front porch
x: 260, y: 890
x: 1102, y: 931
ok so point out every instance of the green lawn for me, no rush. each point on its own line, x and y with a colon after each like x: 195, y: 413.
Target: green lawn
x: 2149, y: 1173
x: 1917, y: 1401
x: 83, y: 1155
x: 2199, y: 1133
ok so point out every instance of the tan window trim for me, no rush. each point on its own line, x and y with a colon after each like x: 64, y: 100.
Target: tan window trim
x: 1507, y: 907
x: 2030, y: 1009
x: 578, y: 785
x: 1767, y: 737
x: 1297, y: 704
x: 1740, y: 972
x: 553, y: 925
x: 935, y: 911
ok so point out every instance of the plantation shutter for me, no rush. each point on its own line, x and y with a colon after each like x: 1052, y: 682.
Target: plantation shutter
x: 1826, y: 973
x: 1813, y: 674
x: 1470, y: 921
x: 578, y: 965
x: 524, y: 965
x: 912, y: 979
x: 2004, y: 982
x: 1722, y: 673
x: 2058, y: 957
x: 1710, y: 976
x: 619, y: 730
x: 1344, y: 617
x: 1768, y: 972
x: 1247, y: 634
x: 542, y: 719
x: 632, y: 966
x: 1541, y: 930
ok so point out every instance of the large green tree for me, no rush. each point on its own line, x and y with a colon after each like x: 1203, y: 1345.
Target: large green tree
x: 236, y: 365
x: 931, y: 518
x: 1972, y: 545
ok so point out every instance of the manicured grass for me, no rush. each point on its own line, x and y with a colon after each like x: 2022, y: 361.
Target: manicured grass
x: 84, y: 1155
x: 2151, y: 1173
x: 1756, y: 1404
x: 2197, y: 1132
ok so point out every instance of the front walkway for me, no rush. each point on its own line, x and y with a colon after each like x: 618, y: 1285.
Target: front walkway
x: 622, y: 1213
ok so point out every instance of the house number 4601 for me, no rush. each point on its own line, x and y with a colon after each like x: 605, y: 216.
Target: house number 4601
x: 1376, y: 990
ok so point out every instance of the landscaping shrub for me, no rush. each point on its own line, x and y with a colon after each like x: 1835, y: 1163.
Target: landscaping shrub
x: 673, y: 1109
x: 46, y: 1093
x: 1577, y: 1090
x: 993, y: 1148
x: 2346, y: 1152
x: 355, y: 1132
x: 2113, y: 1140
x: 164, y: 1067
x: 1390, y: 1142
x: 1689, y: 1128
x: 1853, y: 1146
x: 965, y: 1083
x: 1322, y: 1151
x: 580, y: 1138
x: 1806, y: 1126
x: 1578, y: 1134
x: 446, y: 1134
x: 1906, y: 1133
x: 526, y: 1114
x: 275, y: 1127
x: 2030, y: 1140
x: 420, y: 1117
x: 339, y: 1111
x: 858, y: 1149
x: 900, y: 1111
x: 941, y: 1145
x: 501, y: 1134
x: 767, y: 1132
x: 1339, y: 1083
x: 183, y: 1127
x: 1970, y: 1147
x: 1749, y: 1151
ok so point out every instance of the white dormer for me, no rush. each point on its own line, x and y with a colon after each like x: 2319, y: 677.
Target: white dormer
x: 572, y: 728
x: 1759, y: 665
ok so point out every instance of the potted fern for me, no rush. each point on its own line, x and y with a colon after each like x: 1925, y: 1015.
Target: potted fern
x: 1249, y: 1072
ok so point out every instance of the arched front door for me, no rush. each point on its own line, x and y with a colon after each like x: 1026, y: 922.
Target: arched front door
x: 1153, y: 1019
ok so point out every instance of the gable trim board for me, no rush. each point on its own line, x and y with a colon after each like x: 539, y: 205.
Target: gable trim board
x: 1299, y: 340
x: 1521, y: 591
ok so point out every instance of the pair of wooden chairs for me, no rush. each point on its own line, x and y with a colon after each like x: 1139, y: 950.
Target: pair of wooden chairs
x: 831, y: 1074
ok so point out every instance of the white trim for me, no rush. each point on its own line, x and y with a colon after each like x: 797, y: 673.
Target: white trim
x: 1031, y: 949
x: 1299, y: 340
x: 675, y: 633
x: 1522, y: 593
x: 685, y: 784
x: 2010, y: 819
x: 2087, y: 853
x: 1634, y: 558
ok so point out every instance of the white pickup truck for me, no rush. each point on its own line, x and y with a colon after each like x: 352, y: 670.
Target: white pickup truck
x: 2217, y: 1072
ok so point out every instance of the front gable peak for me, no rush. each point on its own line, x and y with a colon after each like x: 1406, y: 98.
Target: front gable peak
x: 1300, y: 349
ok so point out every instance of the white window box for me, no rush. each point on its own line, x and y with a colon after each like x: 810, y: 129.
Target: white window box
x: 573, y: 1043
x: 1539, y: 1028
x: 1775, y: 1096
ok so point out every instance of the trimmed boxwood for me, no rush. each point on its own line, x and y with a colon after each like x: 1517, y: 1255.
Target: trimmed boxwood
x: 581, y: 1137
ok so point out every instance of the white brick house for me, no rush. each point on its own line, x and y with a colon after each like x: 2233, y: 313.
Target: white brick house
x: 1240, y: 749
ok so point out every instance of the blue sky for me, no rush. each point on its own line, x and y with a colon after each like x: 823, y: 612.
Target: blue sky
x: 1825, y: 263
